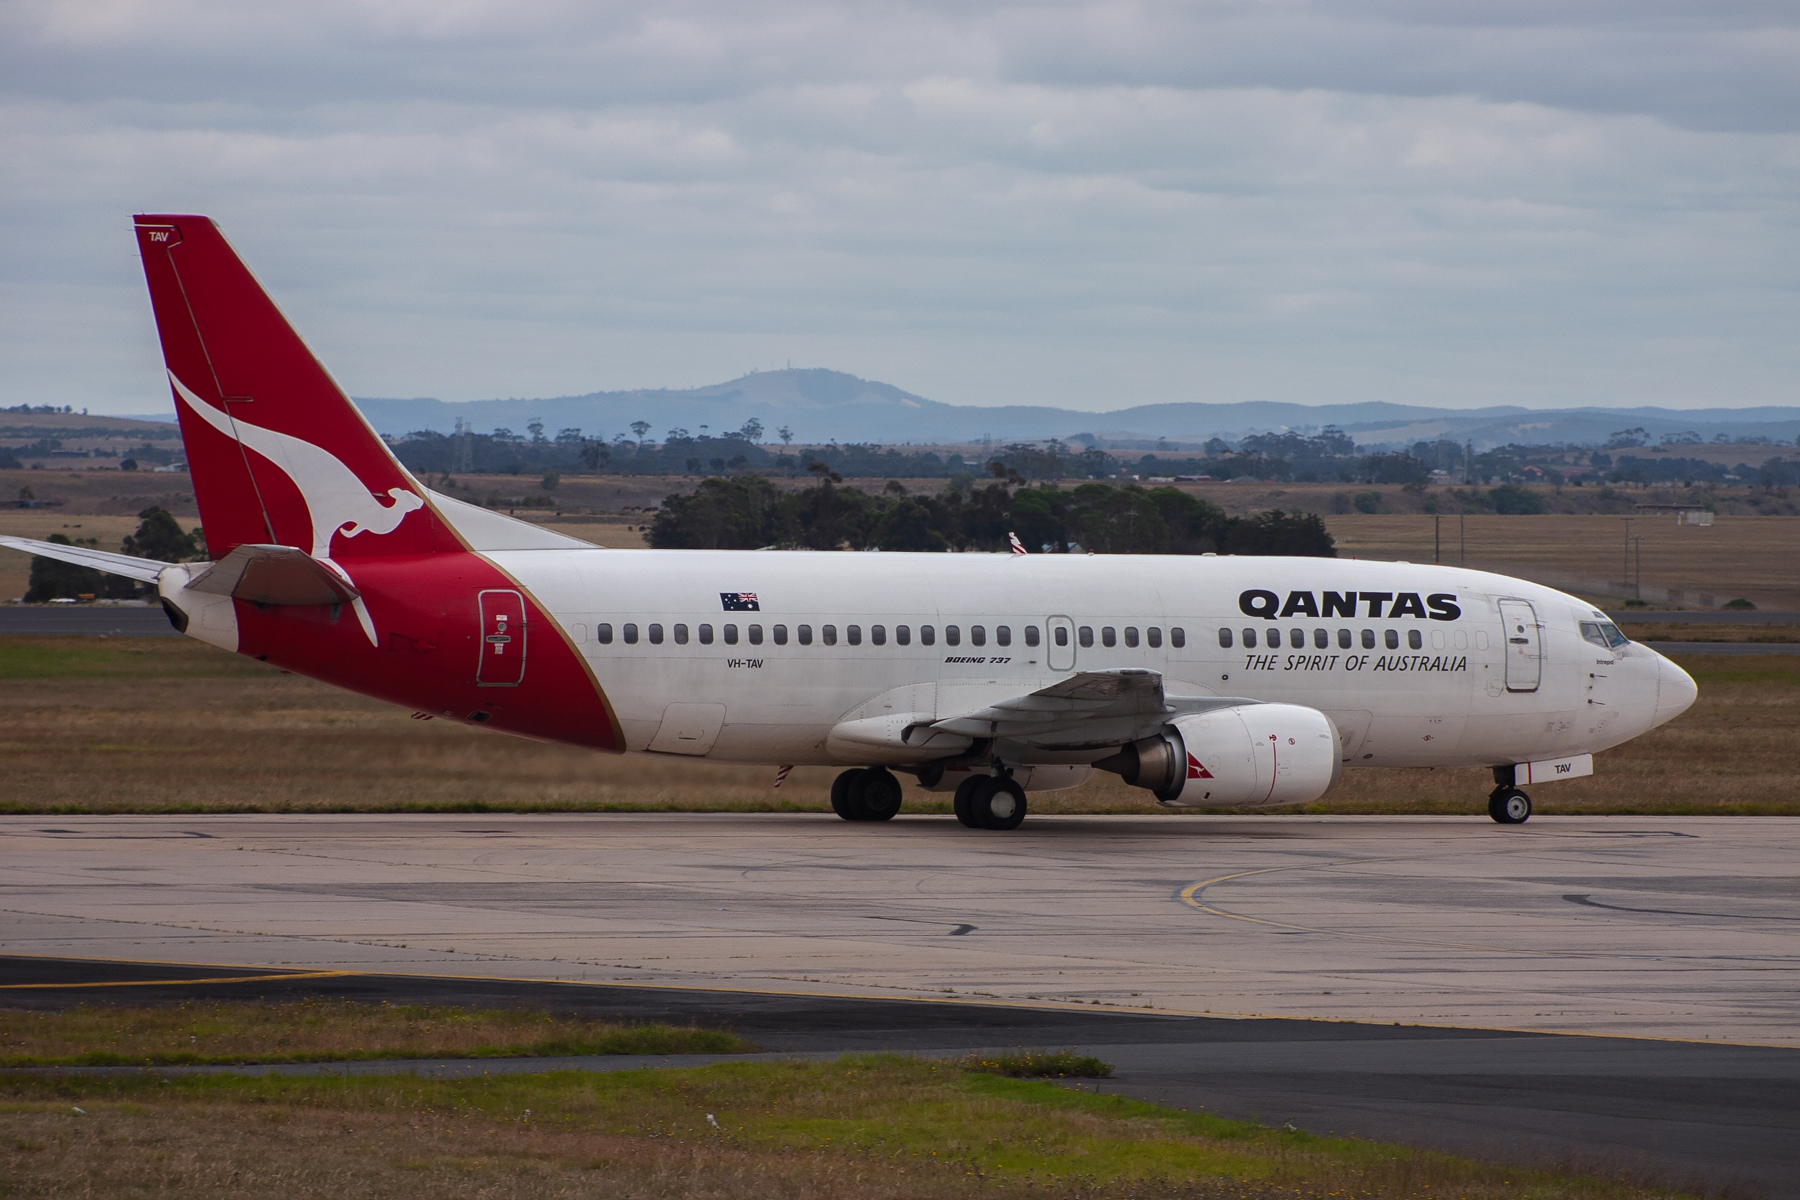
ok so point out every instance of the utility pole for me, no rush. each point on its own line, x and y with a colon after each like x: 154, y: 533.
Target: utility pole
x: 1637, y: 546
x: 1437, y: 538
x: 1462, y: 538
x: 1627, y: 567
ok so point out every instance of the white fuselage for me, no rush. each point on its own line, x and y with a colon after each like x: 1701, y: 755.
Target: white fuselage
x: 1434, y: 689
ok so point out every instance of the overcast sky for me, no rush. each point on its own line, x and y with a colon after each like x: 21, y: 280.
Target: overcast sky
x: 1090, y: 205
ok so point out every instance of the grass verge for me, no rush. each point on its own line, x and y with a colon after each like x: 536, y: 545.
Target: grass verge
x: 196, y: 730
x: 223, y: 1032
x: 865, y: 1126
x: 1039, y: 1064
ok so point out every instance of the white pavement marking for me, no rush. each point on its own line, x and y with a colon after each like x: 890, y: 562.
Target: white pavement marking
x: 1683, y: 927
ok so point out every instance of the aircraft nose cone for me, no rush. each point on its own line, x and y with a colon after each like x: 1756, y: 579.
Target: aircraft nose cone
x: 1675, y: 690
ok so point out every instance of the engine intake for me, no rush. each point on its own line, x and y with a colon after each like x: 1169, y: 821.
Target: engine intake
x: 1252, y: 754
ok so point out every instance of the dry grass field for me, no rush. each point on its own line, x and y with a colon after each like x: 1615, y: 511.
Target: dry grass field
x: 874, y: 1126
x: 171, y: 725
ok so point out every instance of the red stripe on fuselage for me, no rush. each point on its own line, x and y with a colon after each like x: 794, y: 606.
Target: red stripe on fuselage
x: 427, y: 618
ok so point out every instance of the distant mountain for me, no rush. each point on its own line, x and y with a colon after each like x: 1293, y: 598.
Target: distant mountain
x: 820, y: 405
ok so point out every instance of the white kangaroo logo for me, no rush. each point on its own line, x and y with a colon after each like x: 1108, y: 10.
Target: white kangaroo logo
x: 336, y: 499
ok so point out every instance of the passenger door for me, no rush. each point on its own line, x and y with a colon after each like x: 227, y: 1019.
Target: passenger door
x: 1524, y: 657
x: 1059, y: 649
x: 502, y: 662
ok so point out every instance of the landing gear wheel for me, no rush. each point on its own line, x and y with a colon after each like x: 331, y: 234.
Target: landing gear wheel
x: 998, y: 804
x: 961, y: 804
x: 876, y: 796
x: 843, y: 790
x: 1509, y: 806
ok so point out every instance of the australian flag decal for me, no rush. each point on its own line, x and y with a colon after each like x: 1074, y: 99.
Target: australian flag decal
x: 739, y: 602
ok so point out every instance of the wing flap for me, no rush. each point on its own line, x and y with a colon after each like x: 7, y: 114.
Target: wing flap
x: 1089, y: 708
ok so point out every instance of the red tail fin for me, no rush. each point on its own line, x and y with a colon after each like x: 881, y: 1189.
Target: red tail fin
x: 277, y: 452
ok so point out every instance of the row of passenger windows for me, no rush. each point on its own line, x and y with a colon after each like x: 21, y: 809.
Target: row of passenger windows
x: 878, y: 635
x: 1322, y: 639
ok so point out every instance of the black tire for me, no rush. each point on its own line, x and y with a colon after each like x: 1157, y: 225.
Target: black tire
x: 843, y: 793
x: 1509, y: 806
x: 998, y: 804
x: 876, y: 796
x: 961, y: 805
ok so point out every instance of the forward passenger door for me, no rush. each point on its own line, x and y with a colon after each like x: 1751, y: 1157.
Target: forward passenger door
x: 1524, y: 655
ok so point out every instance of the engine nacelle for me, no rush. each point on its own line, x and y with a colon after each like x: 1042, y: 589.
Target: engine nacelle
x: 1251, y: 754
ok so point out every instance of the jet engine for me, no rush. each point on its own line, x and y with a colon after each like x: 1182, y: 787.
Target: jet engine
x: 1250, y: 754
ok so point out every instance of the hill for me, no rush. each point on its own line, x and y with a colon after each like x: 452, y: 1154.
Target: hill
x: 819, y: 405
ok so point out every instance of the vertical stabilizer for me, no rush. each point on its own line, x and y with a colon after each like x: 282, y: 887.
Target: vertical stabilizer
x: 277, y: 452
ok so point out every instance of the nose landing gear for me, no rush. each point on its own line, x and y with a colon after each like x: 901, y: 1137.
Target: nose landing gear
x: 866, y: 794
x: 1509, y: 806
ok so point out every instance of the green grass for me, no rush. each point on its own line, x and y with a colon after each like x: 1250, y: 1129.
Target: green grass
x: 315, y: 1031
x: 120, y: 658
x: 904, y: 1126
x: 1039, y: 1064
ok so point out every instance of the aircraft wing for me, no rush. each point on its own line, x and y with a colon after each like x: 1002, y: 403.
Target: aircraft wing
x: 1088, y: 709
x: 146, y: 569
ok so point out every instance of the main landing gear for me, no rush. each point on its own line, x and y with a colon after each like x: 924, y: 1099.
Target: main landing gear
x: 1509, y: 806
x: 865, y: 794
x: 990, y: 802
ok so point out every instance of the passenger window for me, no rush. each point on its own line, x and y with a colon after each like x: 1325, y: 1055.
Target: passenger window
x: 1343, y: 639
x: 1155, y: 636
x: 731, y: 635
x: 780, y: 635
x: 1321, y: 639
x: 1062, y: 635
x: 1437, y: 639
x: 804, y: 633
x: 1481, y: 639
x: 706, y: 635
x: 630, y: 635
x: 1414, y: 640
x: 603, y: 634
x: 1249, y: 639
x: 1297, y: 639
x: 1131, y: 635
x: 755, y: 632
x: 927, y: 635
x: 1391, y: 638
x: 853, y: 634
x: 1031, y: 635
x: 1109, y: 636
x: 878, y: 634
x: 1086, y: 635
x: 952, y: 635
x: 656, y: 634
x: 828, y: 634
x: 903, y: 635
x: 1003, y: 635
x: 1368, y: 639
x: 977, y: 635
x: 1178, y: 637
x: 1224, y: 639
x: 681, y: 635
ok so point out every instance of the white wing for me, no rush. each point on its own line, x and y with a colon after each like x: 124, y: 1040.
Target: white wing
x: 1088, y: 709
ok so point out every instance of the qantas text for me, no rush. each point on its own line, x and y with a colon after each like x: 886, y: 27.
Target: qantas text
x: 1393, y: 605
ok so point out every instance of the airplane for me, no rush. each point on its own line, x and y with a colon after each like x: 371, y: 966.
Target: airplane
x: 1214, y: 682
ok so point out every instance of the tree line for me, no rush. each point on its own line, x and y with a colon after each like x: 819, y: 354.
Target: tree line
x: 749, y: 512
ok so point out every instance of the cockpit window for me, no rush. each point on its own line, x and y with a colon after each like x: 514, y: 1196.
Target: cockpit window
x: 1603, y: 634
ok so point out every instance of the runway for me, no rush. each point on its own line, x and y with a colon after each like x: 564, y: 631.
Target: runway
x: 1392, y: 977
x: 1663, y: 927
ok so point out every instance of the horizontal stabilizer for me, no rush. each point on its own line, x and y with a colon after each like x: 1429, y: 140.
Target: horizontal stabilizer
x: 145, y: 569
x: 274, y: 575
